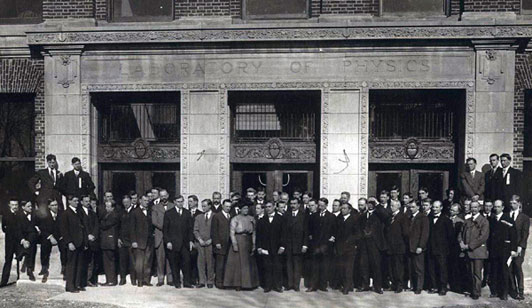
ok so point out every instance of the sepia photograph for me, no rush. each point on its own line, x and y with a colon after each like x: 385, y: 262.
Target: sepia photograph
x: 265, y: 153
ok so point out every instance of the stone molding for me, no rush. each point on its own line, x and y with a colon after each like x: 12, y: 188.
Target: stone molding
x: 363, y: 86
x: 138, y: 151
x: 273, y: 151
x: 283, y: 34
x: 411, y: 150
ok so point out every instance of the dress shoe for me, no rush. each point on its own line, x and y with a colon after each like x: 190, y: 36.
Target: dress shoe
x: 159, y: 284
x: 278, y: 290
x: 219, y: 286
x: 82, y: 289
x: 188, y: 286
x: 267, y: 290
x: 362, y: 290
x: 493, y: 295
x: 311, y: 290
x: 475, y: 297
x: 177, y: 286
x: 417, y: 292
x: 92, y: 285
x: 73, y: 291
x: 45, y: 278
x: 345, y: 291
x: 199, y: 286
x: 169, y: 283
x: 378, y: 291
x: 30, y: 275
x: 41, y: 272
x: 504, y: 298
x: 323, y: 289
x: 442, y: 293
x: 432, y: 291
x: 209, y: 286
x: 122, y: 282
x: 398, y: 290
x: 521, y: 297
x: 387, y: 289
x: 147, y: 284
x: 139, y: 284
x: 296, y: 289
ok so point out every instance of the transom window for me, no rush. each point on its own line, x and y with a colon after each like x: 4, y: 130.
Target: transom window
x: 142, y: 10
x: 275, y: 9
x: 20, y: 11
x: 125, y: 117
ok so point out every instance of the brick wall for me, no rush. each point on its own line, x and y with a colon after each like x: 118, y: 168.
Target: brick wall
x: 523, y: 82
x: 492, y: 5
x: 57, y: 9
x: 27, y: 76
x: 100, y: 10
x: 340, y: 7
x: 203, y: 8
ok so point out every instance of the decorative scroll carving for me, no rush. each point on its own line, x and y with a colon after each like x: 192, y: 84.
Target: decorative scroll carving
x: 274, y: 150
x: 138, y: 151
x: 287, y: 34
x: 411, y: 150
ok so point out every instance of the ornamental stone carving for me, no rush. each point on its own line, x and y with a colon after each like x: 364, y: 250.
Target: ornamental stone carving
x: 411, y: 150
x: 139, y: 150
x: 274, y: 150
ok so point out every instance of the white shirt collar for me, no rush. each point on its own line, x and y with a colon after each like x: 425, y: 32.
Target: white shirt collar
x: 346, y: 217
x: 476, y: 216
x: 515, y: 213
x: 86, y: 210
x: 73, y: 209
x: 295, y: 212
x: 499, y: 216
x: 415, y: 214
x: 337, y: 213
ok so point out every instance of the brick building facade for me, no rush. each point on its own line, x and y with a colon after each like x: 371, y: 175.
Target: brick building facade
x: 61, y: 60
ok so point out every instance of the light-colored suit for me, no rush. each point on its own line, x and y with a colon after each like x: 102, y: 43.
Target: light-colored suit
x: 162, y: 263
x: 472, y: 185
x: 202, y: 230
x: 475, y: 233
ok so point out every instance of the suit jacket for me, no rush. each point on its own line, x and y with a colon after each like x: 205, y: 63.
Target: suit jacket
x: 202, y: 227
x: 470, y: 185
x: 49, y: 189
x: 373, y: 226
x: 522, y: 226
x: 177, y: 229
x: 440, y: 235
x: 49, y: 226
x: 491, y: 184
x: 11, y: 227
x: 454, y: 247
x: 503, y: 237
x: 157, y: 217
x: 295, y: 232
x: 396, y: 233
x: 125, y: 227
x: 475, y: 234
x: 348, y: 234
x: 92, y: 226
x: 27, y: 227
x: 69, y: 184
x: 269, y: 234
x: 321, y: 229
x: 220, y: 233
x: 510, y: 184
x: 141, y: 228
x: 72, y: 229
x: 418, y: 232
x: 109, y: 230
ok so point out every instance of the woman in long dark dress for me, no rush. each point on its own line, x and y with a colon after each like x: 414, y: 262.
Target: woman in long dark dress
x: 241, y: 268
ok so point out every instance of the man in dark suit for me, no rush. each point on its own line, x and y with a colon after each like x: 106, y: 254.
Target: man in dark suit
x: 491, y: 180
x: 373, y: 245
x: 321, y: 232
x: 74, y: 236
x: 457, y: 269
x: 44, y: 186
x: 216, y: 202
x: 49, y: 237
x: 502, y: 241
x: 396, y: 233
x: 440, y: 237
x: 522, y: 226
x: 348, y: 234
x: 195, y: 211
x: 77, y: 182
x: 473, y: 242
x: 178, y: 240
x: 109, y: 242
x: 11, y: 229
x: 125, y: 254
x: 269, y: 234
x: 510, y: 181
x: 29, y: 232
x: 471, y: 181
x: 295, y: 242
x: 141, y: 236
x: 220, y: 240
x: 418, y: 236
x: 92, y: 230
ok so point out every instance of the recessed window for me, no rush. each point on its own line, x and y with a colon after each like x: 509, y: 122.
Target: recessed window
x: 20, y: 11
x: 275, y: 9
x: 142, y: 10
x: 526, y: 6
x: 413, y: 7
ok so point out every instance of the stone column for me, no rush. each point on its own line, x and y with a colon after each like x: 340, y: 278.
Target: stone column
x: 489, y: 122
x: 67, y: 118
x: 204, y: 143
x: 342, y: 157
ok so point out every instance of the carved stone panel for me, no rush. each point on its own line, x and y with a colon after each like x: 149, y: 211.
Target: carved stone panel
x: 411, y: 150
x: 273, y: 151
x: 139, y: 151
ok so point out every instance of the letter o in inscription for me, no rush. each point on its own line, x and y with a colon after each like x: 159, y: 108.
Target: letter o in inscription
x: 295, y: 67
x: 227, y: 68
x: 413, y: 67
x: 169, y: 68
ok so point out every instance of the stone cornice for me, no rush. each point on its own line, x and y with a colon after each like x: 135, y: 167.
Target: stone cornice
x: 288, y: 33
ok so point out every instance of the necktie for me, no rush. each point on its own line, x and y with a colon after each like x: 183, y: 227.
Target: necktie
x: 206, y: 217
x: 293, y: 214
x: 513, y: 216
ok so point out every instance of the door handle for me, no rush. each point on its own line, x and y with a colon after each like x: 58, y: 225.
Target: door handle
x: 260, y: 181
x: 284, y: 185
